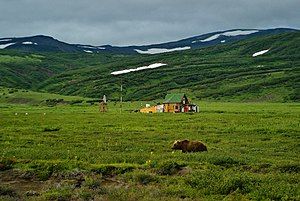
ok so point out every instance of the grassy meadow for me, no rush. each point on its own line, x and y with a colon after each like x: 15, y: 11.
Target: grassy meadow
x: 60, y: 147
x: 74, y: 152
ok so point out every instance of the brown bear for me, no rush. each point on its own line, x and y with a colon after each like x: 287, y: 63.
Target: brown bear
x: 189, y: 146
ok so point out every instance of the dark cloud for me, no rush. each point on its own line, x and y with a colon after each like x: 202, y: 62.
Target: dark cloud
x: 124, y: 22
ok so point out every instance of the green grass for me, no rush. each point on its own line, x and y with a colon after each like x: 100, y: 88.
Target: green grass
x: 27, y: 97
x: 253, y: 152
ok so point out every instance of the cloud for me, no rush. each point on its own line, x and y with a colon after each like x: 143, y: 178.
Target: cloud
x: 129, y: 22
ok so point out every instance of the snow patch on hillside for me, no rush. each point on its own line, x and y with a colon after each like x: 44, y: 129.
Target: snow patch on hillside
x: 88, y: 47
x: 230, y: 33
x: 29, y: 43
x: 91, y: 47
x: 6, y: 45
x: 5, y: 40
x: 88, y: 51
x: 151, y: 66
x: 223, y: 41
x: 239, y: 32
x: 260, y: 53
x: 214, y: 37
x: 161, y: 50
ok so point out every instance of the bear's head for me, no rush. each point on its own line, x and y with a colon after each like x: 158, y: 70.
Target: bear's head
x: 179, y: 144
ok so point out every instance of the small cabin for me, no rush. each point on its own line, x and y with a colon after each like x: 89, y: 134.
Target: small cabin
x: 178, y: 102
x: 174, y: 103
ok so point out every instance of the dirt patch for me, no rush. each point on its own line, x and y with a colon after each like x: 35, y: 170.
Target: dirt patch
x: 22, y: 186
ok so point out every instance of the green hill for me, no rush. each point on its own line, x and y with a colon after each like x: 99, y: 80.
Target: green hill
x: 21, y: 96
x: 225, y: 72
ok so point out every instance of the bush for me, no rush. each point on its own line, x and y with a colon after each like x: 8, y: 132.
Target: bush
x: 6, y: 163
x: 169, y: 168
x: 92, y: 183
x: 92, y: 101
x: 62, y: 194
x: 45, y: 170
x: 225, y: 161
x: 50, y: 129
x: 109, y: 170
x: 6, y: 191
x: 144, y: 178
x: 291, y: 168
x: 86, y: 195
x: 275, y: 190
x: 73, y: 102
x: 236, y: 183
x: 53, y: 102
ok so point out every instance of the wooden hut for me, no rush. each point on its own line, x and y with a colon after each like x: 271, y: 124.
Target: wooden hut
x: 174, y: 103
x: 178, y: 102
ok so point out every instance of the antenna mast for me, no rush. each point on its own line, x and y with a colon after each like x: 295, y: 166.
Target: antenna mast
x: 121, y: 97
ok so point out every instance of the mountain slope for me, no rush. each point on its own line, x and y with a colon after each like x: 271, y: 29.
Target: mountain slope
x: 48, y: 44
x: 200, y: 41
x: 222, y: 72
x: 38, y: 43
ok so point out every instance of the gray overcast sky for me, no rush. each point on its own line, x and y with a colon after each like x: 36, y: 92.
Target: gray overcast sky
x: 136, y: 22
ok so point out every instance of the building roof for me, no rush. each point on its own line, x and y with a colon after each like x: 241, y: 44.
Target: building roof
x: 174, y: 98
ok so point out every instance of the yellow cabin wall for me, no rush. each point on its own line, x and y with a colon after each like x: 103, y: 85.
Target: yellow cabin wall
x: 148, y: 109
x: 169, y: 107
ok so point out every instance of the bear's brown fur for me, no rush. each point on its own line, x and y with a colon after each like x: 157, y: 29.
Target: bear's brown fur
x: 189, y: 146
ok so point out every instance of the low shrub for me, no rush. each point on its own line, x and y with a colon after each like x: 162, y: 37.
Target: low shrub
x: 86, y: 195
x: 44, y: 171
x: 60, y: 193
x: 6, y: 163
x: 144, y: 178
x: 275, y: 190
x: 73, y: 102
x: 51, y: 129
x: 92, y: 183
x: 290, y: 168
x: 7, y: 191
x: 110, y: 170
x: 225, y: 161
x: 238, y: 183
x: 169, y: 168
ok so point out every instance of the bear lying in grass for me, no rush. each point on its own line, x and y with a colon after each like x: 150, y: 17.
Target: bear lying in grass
x: 189, y: 146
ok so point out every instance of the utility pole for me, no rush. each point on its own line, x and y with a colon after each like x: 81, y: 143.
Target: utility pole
x: 121, y: 97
